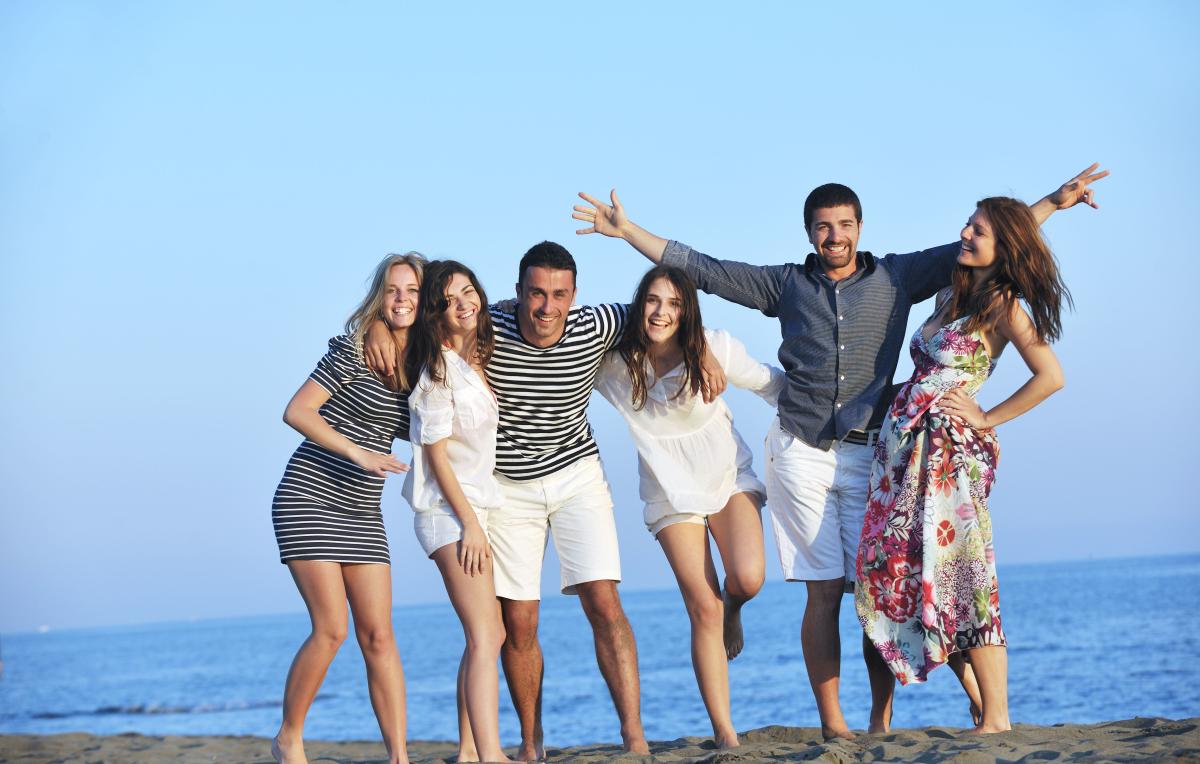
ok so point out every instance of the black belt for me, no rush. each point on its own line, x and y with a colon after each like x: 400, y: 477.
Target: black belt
x: 862, y: 437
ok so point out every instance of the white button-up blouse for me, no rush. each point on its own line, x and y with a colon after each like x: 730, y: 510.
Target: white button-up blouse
x: 687, y: 450
x: 463, y: 410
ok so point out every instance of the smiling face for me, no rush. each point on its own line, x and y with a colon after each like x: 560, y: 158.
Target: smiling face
x: 545, y: 296
x: 461, y: 316
x: 978, y: 242
x: 400, y: 296
x: 834, y: 235
x: 662, y: 312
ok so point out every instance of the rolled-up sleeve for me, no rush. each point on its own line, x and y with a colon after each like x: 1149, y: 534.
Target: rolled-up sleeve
x: 432, y: 408
x: 743, y: 371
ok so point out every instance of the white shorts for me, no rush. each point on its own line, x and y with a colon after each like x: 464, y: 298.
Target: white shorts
x: 435, y: 528
x: 575, y: 506
x: 817, y: 500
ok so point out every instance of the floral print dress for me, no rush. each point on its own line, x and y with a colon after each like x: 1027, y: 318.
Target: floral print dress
x: 926, y: 568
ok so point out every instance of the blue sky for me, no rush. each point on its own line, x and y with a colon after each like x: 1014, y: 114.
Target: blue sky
x: 193, y: 194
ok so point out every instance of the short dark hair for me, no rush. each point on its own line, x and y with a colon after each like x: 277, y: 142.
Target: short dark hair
x: 547, y: 254
x: 830, y: 195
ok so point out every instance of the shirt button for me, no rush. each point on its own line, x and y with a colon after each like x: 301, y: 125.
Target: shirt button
x: 839, y: 405
x: 842, y: 377
x: 837, y: 291
x: 840, y: 318
x: 841, y: 347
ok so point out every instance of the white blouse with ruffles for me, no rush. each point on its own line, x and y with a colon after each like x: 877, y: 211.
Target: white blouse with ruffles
x: 687, y: 449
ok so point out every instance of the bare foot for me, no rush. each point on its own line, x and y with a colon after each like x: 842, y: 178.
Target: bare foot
x: 988, y: 729
x: 531, y: 752
x: 637, y: 745
x: 288, y: 752
x: 829, y: 733
x: 725, y: 742
x: 734, y: 639
x: 881, y: 726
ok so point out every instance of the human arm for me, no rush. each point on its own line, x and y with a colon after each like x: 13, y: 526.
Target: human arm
x: 473, y: 550
x: 754, y: 286
x: 1017, y: 327
x: 610, y: 220
x: 1069, y: 194
x: 379, y: 348
x: 743, y: 371
x: 303, y: 415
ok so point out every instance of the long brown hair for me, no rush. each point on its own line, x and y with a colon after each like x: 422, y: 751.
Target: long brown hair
x: 371, y: 310
x: 690, y: 336
x: 1025, y: 269
x: 428, y: 335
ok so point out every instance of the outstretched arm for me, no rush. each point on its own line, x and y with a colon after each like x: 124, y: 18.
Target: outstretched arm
x: 1069, y: 194
x: 610, y: 220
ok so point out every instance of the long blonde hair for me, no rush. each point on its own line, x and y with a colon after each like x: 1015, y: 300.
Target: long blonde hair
x: 371, y: 309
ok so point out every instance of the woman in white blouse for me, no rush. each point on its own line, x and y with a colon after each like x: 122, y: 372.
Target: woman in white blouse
x: 450, y: 485
x: 695, y: 469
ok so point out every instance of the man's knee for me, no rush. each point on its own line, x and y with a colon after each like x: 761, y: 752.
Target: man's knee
x: 826, y: 595
x: 601, y: 603
x: 520, y: 623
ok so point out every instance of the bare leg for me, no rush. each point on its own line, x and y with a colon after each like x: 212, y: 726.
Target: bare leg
x: 883, y: 688
x: 474, y: 599
x: 966, y: 677
x: 522, y: 658
x: 737, y: 529
x: 990, y: 665
x: 820, y: 639
x: 686, y: 547
x: 616, y: 654
x: 321, y: 586
x: 369, y: 590
x: 466, y: 741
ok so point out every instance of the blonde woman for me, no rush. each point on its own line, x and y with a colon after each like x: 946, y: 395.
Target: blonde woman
x: 326, y: 509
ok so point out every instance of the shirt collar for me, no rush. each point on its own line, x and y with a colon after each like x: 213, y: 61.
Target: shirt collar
x: 866, y: 266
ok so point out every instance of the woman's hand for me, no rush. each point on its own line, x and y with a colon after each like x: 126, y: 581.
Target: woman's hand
x: 958, y: 403
x: 1076, y: 189
x: 473, y: 551
x: 377, y: 464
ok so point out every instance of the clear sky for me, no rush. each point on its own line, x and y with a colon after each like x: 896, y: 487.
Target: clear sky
x: 193, y: 194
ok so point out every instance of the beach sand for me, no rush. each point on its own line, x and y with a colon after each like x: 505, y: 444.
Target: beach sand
x: 1132, y: 740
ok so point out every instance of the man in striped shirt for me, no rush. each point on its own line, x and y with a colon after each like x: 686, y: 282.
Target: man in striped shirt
x: 843, y: 315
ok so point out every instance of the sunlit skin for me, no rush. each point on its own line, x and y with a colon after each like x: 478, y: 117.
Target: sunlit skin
x: 544, y: 297
x: 400, y: 297
x: 834, y: 235
x: 462, y: 312
x: 978, y: 246
x: 660, y: 320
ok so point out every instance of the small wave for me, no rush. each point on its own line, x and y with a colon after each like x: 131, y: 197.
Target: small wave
x: 154, y: 709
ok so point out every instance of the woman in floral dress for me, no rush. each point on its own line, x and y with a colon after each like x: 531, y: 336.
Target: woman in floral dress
x: 927, y: 590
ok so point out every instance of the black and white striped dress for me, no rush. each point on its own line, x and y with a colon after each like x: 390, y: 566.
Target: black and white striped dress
x: 326, y: 507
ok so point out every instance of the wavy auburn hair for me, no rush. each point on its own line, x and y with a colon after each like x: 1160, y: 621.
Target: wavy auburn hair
x: 428, y: 335
x: 1025, y: 270
x: 371, y: 309
x: 690, y: 336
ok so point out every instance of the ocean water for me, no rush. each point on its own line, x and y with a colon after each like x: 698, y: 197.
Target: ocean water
x: 1088, y: 642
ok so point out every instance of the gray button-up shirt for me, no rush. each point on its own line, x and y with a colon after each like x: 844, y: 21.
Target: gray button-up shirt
x: 841, y: 339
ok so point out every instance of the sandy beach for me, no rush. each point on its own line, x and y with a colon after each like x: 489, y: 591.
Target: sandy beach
x: 1139, y: 739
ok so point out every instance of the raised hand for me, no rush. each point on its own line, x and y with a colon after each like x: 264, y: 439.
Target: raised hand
x: 608, y: 220
x: 378, y: 464
x: 1076, y: 189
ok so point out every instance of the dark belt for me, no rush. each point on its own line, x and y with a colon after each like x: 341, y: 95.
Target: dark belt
x: 862, y: 437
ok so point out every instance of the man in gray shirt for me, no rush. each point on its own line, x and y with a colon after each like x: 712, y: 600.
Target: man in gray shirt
x: 843, y: 315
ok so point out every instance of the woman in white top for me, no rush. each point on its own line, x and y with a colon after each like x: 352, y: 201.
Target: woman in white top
x: 450, y: 485
x: 695, y: 469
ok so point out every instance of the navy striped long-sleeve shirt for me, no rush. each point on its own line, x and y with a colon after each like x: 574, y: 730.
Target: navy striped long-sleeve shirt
x: 841, y: 340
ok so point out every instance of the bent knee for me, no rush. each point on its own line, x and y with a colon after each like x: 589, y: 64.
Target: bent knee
x: 329, y: 637
x: 376, y: 640
x: 744, y: 585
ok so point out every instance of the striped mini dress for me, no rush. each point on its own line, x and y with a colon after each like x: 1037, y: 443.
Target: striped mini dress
x: 326, y: 507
